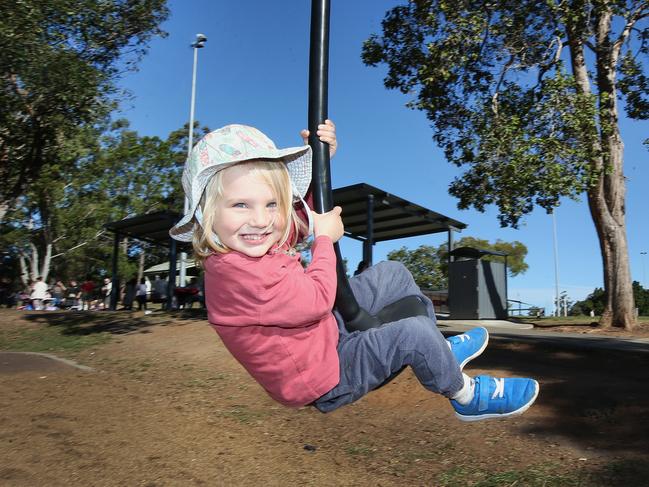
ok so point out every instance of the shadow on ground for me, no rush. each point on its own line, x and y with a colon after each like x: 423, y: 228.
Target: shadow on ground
x: 114, y: 322
x: 598, y: 398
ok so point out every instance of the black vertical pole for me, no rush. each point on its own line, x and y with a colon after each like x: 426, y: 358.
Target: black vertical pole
x: 114, y: 290
x: 318, y: 100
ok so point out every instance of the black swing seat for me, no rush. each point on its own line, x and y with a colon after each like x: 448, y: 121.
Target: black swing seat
x: 404, y: 308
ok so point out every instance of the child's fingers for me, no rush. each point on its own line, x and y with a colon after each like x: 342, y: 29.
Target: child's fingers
x: 329, y: 140
x: 326, y: 132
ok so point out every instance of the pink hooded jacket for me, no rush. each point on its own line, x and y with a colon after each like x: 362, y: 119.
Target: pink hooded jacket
x: 276, y: 319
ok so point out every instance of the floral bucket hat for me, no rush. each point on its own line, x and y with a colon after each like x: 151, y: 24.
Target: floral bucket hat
x: 225, y: 147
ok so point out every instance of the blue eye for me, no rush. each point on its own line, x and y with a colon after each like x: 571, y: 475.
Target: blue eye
x: 272, y: 205
x: 239, y: 205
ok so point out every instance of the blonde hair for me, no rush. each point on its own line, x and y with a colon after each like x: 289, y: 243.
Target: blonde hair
x: 272, y: 172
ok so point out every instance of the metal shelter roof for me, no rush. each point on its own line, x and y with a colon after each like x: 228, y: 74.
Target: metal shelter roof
x: 150, y: 227
x: 393, y: 217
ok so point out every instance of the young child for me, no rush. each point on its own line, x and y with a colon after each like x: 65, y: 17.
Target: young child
x: 277, y: 318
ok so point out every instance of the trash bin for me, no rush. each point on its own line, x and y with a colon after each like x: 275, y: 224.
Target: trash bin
x: 477, y: 289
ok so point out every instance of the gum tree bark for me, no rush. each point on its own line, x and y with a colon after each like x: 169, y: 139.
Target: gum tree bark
x: 524, y: 96
x: 607, y: 194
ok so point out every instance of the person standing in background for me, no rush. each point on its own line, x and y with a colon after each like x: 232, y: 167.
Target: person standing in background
x: 140, y: 295
x: 39, y: 293
x: 106, y: 290
x: 87, y: 294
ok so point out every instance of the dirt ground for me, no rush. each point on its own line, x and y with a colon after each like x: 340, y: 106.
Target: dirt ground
x: 166, y: 405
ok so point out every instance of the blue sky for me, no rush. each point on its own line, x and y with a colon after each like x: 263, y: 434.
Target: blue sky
x: 254, y: 70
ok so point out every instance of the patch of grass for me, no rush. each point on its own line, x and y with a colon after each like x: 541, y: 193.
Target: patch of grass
x: 535, y: 476
x: 243, y: 414
x: 206, y: 382
x: 429, y: 454
x: 49, y: 339
x: 361, y: 450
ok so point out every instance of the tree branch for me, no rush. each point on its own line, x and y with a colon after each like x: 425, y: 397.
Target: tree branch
x: 97, y: 235
x: 641, y: 12
x: 494, y: 98
x: 544, y: 68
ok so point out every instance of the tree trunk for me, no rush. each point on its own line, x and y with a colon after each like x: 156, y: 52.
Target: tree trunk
x: 47, y: 258
x: 606, y: 198
x: 33, y: 262
x: 140, y: 267
x: 607, y: 209
x: 24, y: 271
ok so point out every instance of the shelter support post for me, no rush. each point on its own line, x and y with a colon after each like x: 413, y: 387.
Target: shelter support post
x: 171, y: 285
x: 114, y: 291
x: 451, y: 244
x: 368, y: 244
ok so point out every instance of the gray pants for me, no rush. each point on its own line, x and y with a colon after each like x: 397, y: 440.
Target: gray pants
x: 370, y: 358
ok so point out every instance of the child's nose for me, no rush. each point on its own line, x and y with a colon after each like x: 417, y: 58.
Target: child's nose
x: 260, y: 217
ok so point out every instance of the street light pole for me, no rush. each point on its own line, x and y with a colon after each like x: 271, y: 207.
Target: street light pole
x: 197, y: 44
x: 644, y: 278
x: 556, y: 264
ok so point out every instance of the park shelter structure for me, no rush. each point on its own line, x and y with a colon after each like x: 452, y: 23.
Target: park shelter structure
x: 373, y: 215
x: 369, y: 215
x: 152, y: 228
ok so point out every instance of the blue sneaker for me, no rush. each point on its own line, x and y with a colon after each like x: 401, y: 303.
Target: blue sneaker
x: 497, y: 398
x: 469, y: 345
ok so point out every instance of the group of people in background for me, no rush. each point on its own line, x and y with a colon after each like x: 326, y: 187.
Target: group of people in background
x: 90, y: 295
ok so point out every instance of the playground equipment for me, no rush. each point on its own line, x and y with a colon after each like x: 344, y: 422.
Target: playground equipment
x: 355, y: 317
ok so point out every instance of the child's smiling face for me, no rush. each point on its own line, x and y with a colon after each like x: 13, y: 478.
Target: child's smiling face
x: 248, y: 219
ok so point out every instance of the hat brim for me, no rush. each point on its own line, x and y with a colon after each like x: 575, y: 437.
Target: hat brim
x: 298, y: 162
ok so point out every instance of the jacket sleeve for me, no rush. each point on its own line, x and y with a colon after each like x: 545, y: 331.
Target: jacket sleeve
x: 295, y: 298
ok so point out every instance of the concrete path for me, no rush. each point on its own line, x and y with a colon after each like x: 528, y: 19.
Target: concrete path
x: 509, y: 331
x: 15, y: 362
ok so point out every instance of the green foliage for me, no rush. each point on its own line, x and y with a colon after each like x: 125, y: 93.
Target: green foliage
x: 423, y: 263
x: 596, y: 301
x: 516, y: 253
x: 504, y: 104
x: 635, y: 85
x: 429, y: 264
x: 104, y: 177
x: 641, y: 296
x: 60, y: 60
